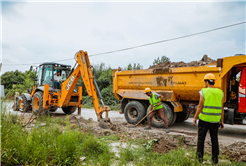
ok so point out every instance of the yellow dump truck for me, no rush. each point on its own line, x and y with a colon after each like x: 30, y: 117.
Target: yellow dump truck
x: 180, y: 88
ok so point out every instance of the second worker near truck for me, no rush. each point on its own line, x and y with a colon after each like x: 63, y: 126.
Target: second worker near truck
x: 155, y: 104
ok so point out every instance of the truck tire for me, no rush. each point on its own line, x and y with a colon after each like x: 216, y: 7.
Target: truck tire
x: 174, y: 118
x: 134, y: 112
x: 169, y: 115
x: 146, y: 111
x: 37, y: 102
x: 182, y: 116
x: 187, y: 115
x: 23, y: 105
x: 69, y: 110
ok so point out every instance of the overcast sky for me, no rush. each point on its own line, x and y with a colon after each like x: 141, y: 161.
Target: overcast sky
x: 36, y: 32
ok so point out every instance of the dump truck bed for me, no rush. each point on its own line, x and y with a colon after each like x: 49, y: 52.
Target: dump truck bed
x: 174, y: 84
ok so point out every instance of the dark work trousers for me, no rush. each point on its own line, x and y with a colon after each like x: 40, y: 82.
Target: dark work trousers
x: 161, y: 113
x: 203, y: 127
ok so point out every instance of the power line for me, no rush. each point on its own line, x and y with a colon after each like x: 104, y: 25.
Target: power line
x: 169, y: 39
x: 148, y: 44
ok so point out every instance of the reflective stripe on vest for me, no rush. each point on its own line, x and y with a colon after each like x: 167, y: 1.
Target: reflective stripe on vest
x: 154, y: 102
x: 212, y: 107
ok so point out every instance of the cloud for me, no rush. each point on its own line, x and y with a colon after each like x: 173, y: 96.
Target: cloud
x: 49, y: 31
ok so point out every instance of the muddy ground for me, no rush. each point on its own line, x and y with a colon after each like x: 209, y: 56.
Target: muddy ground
x: 203, y: 62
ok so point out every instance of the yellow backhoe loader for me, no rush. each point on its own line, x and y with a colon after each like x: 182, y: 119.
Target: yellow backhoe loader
x: 48, y: 93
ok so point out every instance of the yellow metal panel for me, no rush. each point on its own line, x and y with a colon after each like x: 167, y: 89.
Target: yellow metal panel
x: 177, y: 106
x: 184, y: 82
x: 139, y: 94
x: 46, y: 96
x: 80, y: 95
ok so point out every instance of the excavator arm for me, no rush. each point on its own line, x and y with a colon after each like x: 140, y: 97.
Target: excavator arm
x: 83, y: 68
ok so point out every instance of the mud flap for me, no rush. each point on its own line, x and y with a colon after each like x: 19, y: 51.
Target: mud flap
x: 230, y: 116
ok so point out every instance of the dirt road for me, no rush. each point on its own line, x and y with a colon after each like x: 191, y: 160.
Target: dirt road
x: 229, y: 134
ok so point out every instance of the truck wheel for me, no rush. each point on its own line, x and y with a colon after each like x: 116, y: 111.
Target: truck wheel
x: 37, y: 102
x: 134, y: 112
x: 69, y: 110
x: 169, y: 115
x: 23, y: 104
x: 182, y: 116
x: 146, y: 111
x: 187, y: 115
x: 174, y: 118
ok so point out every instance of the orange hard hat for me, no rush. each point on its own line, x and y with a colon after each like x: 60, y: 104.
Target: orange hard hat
x: 147, y: 90
x: 209, y: 76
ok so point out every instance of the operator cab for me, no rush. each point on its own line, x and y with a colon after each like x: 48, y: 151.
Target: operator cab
x: 48, y: 71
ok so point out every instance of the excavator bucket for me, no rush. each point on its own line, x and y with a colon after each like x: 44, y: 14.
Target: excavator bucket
x: 104, y: 123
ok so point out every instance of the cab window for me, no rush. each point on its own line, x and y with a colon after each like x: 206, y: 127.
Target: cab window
x: 47, y: 75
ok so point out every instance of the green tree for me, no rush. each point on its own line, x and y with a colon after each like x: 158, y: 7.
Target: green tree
x: 160, y: 60
x: 129, y: 67
x: 134, y: 67
x: 139, y: 67
x: 22, y: 81
x: 12, y: 77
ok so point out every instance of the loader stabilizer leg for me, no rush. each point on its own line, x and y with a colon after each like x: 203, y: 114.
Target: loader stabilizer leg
x: 80, y: 99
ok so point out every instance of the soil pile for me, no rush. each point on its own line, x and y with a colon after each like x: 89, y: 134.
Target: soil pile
x: 163, y: 146
x: 236, y: 151
x: 203, y: 62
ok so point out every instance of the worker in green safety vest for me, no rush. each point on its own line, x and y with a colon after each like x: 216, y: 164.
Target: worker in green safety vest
x: 211, y: 116
x: 155, y: 103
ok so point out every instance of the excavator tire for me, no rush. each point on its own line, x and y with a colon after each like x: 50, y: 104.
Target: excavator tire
x: 37, y: 102
x: 134, y: 112
x: 69, y: 110
x: 169, y: 115
x: 53, y: 109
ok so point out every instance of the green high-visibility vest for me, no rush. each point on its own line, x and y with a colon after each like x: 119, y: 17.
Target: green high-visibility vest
x: 154, y: 102
x: 212, y: 106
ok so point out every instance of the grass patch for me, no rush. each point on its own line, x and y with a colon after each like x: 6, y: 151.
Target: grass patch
x: 48, y: 144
